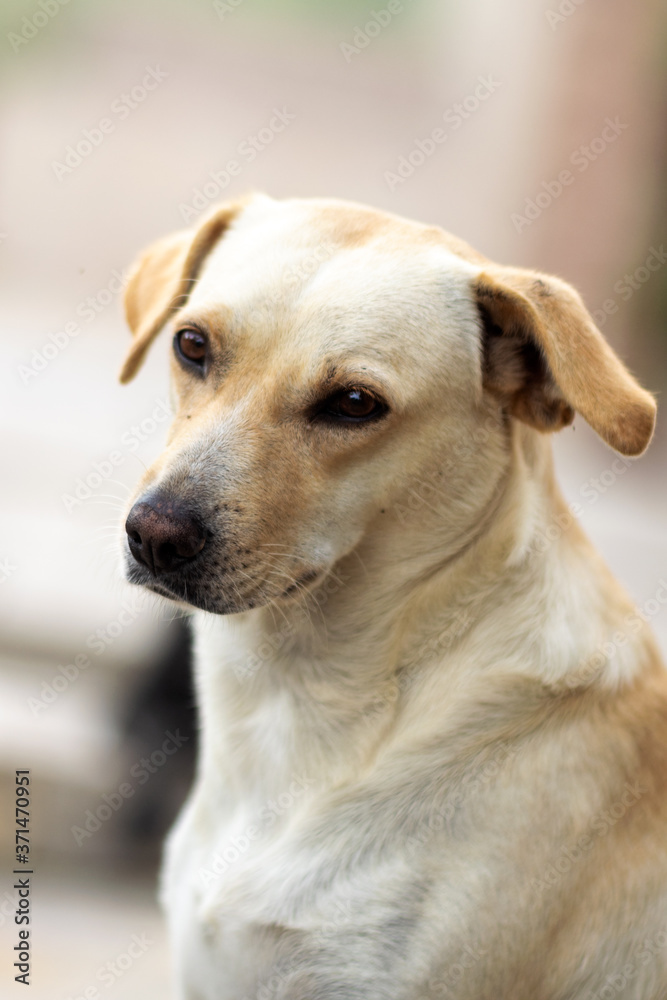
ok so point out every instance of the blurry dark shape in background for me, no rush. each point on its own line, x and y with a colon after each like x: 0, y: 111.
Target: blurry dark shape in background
x: 160, y: 708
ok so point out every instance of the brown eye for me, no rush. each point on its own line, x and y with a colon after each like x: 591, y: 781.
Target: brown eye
x: 192, y: 346
x: 353, y: 405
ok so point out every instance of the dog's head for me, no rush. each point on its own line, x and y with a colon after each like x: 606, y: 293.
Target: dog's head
x: 322, y: 355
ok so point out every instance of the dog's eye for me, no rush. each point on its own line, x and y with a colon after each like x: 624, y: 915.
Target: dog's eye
x: 191, y: 345
x: 353, y: 405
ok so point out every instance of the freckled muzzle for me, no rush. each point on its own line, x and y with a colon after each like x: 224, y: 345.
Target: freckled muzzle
x: 186, y: 553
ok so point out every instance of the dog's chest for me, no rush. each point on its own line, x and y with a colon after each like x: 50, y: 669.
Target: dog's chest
x: 250, y: 910
x: 245, y: 886
x: 284, y: 876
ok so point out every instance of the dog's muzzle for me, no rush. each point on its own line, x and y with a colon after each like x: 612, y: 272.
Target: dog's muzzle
x: 163, y: 535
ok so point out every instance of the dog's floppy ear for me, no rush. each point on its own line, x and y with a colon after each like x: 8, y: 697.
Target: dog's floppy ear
x: 544, y: 358
x: 162, y: 280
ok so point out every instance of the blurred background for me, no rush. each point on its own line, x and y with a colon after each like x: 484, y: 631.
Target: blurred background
x: 120, y: 121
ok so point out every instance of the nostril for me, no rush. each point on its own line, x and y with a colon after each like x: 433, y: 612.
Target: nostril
x: 187, y: 544
x: 135, y: 537
x: 166, y: 555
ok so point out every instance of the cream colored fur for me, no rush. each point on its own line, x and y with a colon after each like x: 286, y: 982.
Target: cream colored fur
x: 423, y: 773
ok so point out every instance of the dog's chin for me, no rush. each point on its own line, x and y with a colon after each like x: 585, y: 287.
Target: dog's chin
x: 189, y: 595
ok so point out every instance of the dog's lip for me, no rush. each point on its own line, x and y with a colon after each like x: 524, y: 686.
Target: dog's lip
x: 144, y: 577
x: 150, y: 583
x: 177, y: 591
x: 307, y: 580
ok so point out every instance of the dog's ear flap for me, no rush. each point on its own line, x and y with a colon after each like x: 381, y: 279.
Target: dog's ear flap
x: 544, y: 358
x: 162, y: 279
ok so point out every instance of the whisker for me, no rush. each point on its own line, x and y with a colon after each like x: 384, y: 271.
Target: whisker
x: 302, y: 592
x: 124, y: 486
x: 140, y: 461
x: 359, y: 560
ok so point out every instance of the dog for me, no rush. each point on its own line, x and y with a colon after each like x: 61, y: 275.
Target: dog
x: 433, y: 727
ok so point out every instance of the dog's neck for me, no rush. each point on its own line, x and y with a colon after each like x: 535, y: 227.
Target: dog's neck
x: 321, y: 686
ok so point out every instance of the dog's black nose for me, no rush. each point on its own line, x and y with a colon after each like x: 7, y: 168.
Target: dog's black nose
x: 163, y: 535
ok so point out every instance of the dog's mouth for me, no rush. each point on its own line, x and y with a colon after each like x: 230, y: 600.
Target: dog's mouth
x: 205, y: 588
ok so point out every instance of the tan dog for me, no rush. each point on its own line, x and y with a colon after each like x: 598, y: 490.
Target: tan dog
x: 434, y: 747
